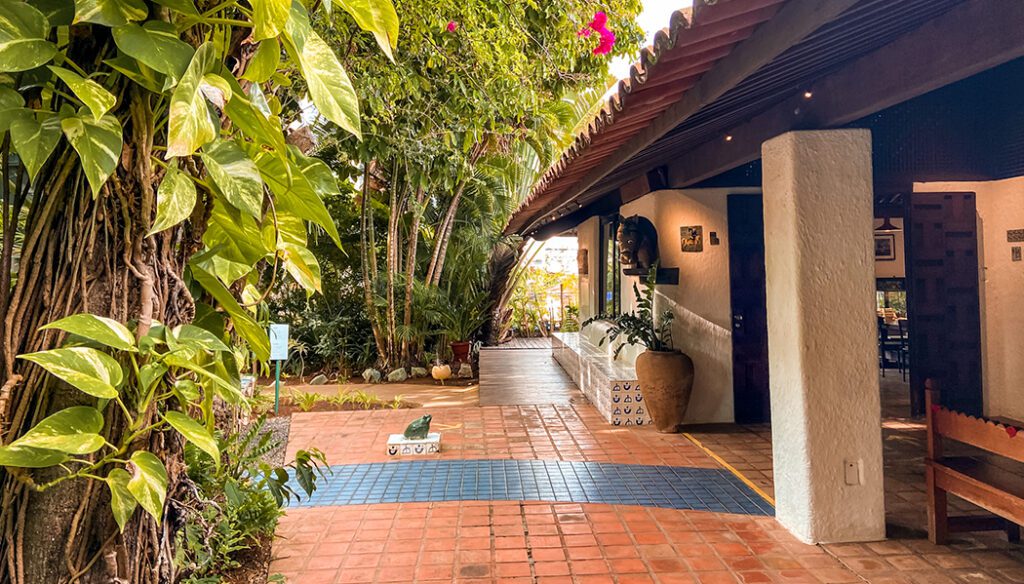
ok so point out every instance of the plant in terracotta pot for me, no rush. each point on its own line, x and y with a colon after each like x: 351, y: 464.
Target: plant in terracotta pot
x: 460, y: 317
x: 665, y: 374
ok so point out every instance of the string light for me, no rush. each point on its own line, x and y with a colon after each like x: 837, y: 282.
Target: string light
x: 808, y: 95
x: 728, y: 137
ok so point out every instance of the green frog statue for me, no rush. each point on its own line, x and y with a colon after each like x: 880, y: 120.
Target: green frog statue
x: 419, y: 428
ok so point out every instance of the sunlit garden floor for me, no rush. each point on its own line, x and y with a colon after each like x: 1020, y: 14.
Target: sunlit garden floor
x: 548, y: 493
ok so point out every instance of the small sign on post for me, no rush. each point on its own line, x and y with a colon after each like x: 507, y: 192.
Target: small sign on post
x: 278, y: 353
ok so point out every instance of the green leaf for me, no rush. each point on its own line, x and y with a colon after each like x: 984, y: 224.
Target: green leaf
x: 175, y: 199
x: 93, y: 95
x: 190, y: 125
x: 264, y: 62
x: 26, y: 457
x: 155, y: 44
x: 255, y: 124
x: 122, y: 503
x: 378, y: 17
x: 93, y: 372
x: 148, y: 483
x: 183, y: 6
x: 243, y: 322
x: 146, y: 77
x: 199, y: 338
x: 98, y: 143
x: 195, y: 433
x: 150, y: 374
x: 110, y: 12
x: 96, y: 328
x: 34, y: 140
x: 23, y: 32
x: 57, y: 12
x: 74, y: 430
x: 302, y: 265
x: 289, y: 180
x: 328, y: 84
x: 237, y: 238
x: 12, y: 105
x: 269, y: 17
x: 236, y: 175
x: 219, y: 381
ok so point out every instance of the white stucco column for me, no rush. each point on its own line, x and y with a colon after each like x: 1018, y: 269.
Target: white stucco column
x: 822, y: 339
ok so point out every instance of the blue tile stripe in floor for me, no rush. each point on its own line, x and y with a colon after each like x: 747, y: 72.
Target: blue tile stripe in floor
x: 703, y: 489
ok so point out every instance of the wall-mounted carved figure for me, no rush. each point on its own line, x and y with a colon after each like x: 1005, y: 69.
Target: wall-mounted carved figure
x: 638, y: 243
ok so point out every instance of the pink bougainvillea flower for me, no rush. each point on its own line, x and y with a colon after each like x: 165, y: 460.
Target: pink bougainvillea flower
x: 1011, y: 431
x: 600, y: 25
x: 453, y: 26
x: 607, y: 42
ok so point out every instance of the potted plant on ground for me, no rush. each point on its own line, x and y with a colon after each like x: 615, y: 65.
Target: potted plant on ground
x: 665, y: 373
x: 460, y: 317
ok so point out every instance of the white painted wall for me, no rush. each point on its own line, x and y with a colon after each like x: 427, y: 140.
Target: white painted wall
x: 701, y: 301
x: 1000, y: 208
x: 823, y: 367
x: 587, y: 235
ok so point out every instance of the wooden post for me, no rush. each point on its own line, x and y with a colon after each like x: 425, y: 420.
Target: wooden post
x: 938, y: 520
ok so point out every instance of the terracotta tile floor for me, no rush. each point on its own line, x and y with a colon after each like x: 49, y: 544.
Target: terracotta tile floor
x: 908, y: 556
x: 552, y: 432
x: 509, y: 542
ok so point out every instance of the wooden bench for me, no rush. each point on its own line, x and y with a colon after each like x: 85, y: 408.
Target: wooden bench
x: 989, y: 481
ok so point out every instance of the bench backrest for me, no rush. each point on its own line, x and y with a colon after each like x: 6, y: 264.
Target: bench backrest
x: 982, y: 433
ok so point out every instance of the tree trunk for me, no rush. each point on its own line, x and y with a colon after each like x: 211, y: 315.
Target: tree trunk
x: 410, y: 269
x: 368, y: 261
x: 442, y: 237
x: 82, y: 254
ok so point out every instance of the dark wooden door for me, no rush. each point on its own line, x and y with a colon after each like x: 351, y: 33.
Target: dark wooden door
x: 749, y: 314
x: 943, y: 300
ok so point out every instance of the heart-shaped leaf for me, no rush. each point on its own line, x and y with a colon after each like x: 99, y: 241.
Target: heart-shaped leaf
x: 243, y: 322
x: 378, y: 17
x: 264, y: 62
x: 93, y: 95
x: 190, y: 124
x: 74, y: 430
x: 23, y: 32
x: 157, y: 45
x: 27, y: 457
x: 93, y: 372
x: 98, y: 143
x: 175, y: 199
x: 236, y: 175
x: 110, y: 12
x: 148, y: 483
x: 199, y: 338
x: 195, y: 433
x: 34, y: 140
x: 122, y: 502
x: 269, y: 17
x: 328, y: 83
x: 302, y: 265
x: 96, y: 328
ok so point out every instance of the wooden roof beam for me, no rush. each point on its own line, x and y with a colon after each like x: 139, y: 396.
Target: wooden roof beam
x: 795, y: 20
x: 972, y: 37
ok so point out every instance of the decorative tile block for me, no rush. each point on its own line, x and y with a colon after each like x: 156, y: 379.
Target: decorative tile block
x: 399, y: 445
x: 606, y: 383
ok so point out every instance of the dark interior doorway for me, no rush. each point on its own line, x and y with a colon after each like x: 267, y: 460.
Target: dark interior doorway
x: 943, y: 299
x: 751, y: 390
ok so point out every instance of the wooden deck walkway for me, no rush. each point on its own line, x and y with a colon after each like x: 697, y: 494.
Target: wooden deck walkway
x: 524, y: 377
x: 526, y: 343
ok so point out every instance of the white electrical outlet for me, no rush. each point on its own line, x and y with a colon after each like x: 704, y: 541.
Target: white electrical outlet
x: 852, y: 472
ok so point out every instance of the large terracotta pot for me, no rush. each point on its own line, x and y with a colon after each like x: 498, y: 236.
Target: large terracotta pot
x: 666, y: 382
x: 460, y: 352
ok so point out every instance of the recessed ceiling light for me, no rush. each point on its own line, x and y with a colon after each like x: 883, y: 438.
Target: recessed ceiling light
x: 808, y: 95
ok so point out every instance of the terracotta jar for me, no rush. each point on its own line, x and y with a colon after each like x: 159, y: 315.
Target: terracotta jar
x: 666, y: 382
x: 460, y: 352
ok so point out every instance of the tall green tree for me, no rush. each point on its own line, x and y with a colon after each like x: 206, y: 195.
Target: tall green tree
x: 476, y: 81
x: 143, y: 149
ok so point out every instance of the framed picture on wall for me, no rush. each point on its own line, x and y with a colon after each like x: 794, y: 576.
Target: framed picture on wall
x: 885, y: 247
